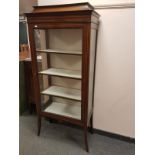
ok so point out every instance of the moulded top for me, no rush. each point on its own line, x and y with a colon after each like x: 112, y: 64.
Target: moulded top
x: 64, y: 8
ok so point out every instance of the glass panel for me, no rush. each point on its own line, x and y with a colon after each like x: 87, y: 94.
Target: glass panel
x: 59, y: 70
x: 91, y: 71
x: 22, y: 34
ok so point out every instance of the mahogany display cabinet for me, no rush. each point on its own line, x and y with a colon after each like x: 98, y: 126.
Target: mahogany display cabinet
x: 65, y: 38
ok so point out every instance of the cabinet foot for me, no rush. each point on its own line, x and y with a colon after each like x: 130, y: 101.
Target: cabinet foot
x: 91, y: 125
x: 39, y: 125
x: 86, y: 140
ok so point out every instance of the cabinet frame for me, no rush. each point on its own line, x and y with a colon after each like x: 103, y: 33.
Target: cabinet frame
x: 79, y: 19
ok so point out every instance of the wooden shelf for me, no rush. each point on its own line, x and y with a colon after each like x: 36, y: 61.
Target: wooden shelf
x: 62, y: 72
x: 59, y: 51
x: 69, y: 93
x: 63, y: 109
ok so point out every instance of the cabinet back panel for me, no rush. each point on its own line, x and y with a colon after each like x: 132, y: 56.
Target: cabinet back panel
x: 65, y: 39
x: 66, y: 82
x: 72, y: 62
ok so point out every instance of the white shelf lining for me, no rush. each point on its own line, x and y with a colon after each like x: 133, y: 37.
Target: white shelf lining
x: 76, y: 52
x: 63, y: 109
x: 69, y: 93
x: 62, y: 72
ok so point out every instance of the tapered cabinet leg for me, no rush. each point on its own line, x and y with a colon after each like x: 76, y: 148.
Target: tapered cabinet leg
x: 86, y: 139
x: 91, y: 125
x: 39, y: 125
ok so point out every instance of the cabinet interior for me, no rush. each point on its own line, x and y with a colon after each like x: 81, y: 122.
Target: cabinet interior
x: 60, y: 70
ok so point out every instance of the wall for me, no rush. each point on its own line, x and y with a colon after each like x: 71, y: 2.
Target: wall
x: 26, y: 5
x: 93, y: 2
x: 114, y: 87
x: 114, y: 84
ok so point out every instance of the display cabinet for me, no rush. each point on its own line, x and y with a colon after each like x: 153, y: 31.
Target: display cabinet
x: 64, y: 36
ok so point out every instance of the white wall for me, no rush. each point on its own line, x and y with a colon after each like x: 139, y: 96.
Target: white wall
x: 93, y: 2
x: 114, y: 86
x: 26, y: 5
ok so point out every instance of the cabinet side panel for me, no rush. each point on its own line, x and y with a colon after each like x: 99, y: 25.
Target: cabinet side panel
x: 40, y: 42
x: 91, y: 71
x: 44, y: 57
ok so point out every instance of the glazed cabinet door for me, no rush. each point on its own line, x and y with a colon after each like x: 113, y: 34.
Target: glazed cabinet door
x: 58, y: 76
